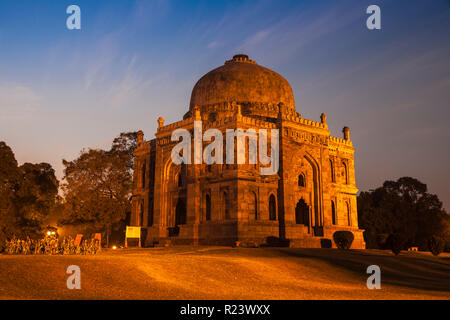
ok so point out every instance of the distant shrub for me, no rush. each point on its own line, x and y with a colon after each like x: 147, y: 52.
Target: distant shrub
x: 447, y: 244
x: 276, y: 242
x: 343, y: 239
x: 326, y: 243
x: 436, y: 245
x: 249, y: 244
x: 3, y: 241
x: 396, y: 242
x: 381, y: 239
x: 370, y: 239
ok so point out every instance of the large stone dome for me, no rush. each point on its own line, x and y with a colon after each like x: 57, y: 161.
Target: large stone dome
x: 242, y: 80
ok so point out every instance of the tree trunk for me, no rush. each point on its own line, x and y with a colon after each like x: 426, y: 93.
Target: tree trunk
x: 108, y: 233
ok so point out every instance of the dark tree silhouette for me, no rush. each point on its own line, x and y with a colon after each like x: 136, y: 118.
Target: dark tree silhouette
x: 35, y: 196
x: 9, y: 177
x: 98, y: 185
x: 27, y: 195
x: 402, y: 207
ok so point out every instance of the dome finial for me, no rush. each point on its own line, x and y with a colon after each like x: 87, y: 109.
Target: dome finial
x: 240, y: 58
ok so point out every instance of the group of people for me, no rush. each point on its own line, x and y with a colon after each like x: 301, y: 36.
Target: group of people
x: 51, y: 245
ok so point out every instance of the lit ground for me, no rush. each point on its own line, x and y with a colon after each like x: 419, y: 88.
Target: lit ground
x: 227, y: 273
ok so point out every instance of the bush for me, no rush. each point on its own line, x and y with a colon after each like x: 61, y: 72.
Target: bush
x: 325, y: 243
x: 370, y: 239
x: 447, y: 244
x: 276, y: 242
x: 436, y: 245
x: 395, y: 242
x: 343, y: 239
x: 382, y: 240
x: 3, y: 241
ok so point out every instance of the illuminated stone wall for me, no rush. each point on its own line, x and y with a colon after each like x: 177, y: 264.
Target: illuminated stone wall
x: 238, y: 194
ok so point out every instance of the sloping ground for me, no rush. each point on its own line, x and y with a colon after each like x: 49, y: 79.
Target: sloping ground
x: 226, y: 273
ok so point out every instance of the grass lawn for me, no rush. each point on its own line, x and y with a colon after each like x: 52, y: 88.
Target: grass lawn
x: 186, y: 272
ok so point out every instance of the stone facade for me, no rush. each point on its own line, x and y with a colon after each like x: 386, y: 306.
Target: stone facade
x: 312, y: 196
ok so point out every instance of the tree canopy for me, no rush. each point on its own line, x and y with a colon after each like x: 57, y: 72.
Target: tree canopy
x: 98, y: 184
x: 35, y: 195
x: 9, y: 174
x: 27, y: 195
x: 402, y: 207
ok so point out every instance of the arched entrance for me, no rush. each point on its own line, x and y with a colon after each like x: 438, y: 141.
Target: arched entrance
x: 180, y: 213
x: 316, y: 216
x: 302, y: 213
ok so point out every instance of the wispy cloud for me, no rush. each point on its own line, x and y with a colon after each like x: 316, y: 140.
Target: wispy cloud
x: 255, y: 39
x: 214, y: 44
x: 283, y: 39
x: 17, y: 101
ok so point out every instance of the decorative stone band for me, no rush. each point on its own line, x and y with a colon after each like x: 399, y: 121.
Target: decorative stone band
x: 176, y: 125
x: 260, y: 109
x: 187, y: 123
x: 237, y: 119
x: 254, y: 108
x: 341, y: 141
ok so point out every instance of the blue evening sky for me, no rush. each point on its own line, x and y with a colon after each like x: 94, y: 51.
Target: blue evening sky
x: 64, y: 90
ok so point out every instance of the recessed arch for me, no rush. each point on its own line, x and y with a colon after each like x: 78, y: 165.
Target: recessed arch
x: 208, y: 207
x: 141, y: 214
x: 301, y: 180
x: 150, y: 214
x: 302, y: 212
x: 316, y: 188
x: 143, y: 174
x: 333, y: 212
x: 253, y: 206
x: 349, y: 218
x: 179, y: 179
x: 180, y: 213
x: 272, y: 207
x: 333, y: 179
x: 226, y: 205
x: 345, y: 173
